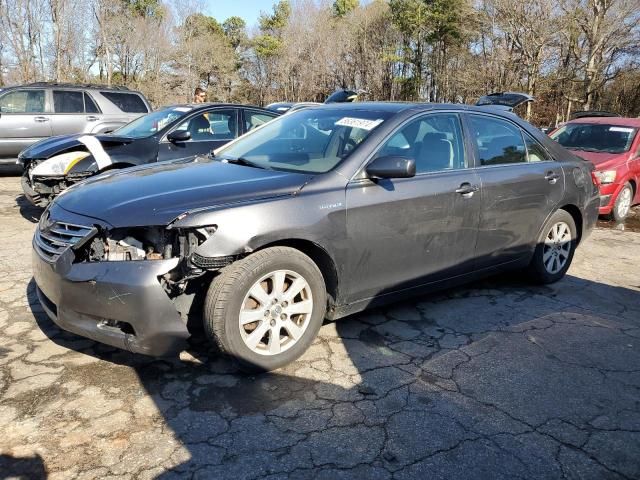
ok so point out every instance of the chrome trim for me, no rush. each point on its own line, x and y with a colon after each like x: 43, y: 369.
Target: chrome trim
x: 42, y: 245
x: 69, y: 233
x: 53, y: 238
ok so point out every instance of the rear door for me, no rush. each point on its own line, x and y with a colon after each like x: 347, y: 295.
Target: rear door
x: 209, y: 130
x: 410, y: 231
x: 521, y: 186
x: 68, y: 112
x: 23, y: 120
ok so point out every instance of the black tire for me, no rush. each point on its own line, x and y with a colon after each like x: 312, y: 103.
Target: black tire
x: 227, y: 293
x: 537, y: 271
x: 615, y: 215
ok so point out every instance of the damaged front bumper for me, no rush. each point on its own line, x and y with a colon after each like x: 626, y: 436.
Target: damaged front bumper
x: 41, y: 191
x: 34, y: 197
x: 120, y: 303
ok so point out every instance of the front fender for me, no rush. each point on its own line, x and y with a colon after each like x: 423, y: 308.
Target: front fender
x: 244, y: 228
x: 106, y: 127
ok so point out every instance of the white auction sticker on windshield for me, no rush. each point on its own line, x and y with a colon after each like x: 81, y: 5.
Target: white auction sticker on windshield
x: 362, y: 123
x: 621, y: 129
x: 183, y: 109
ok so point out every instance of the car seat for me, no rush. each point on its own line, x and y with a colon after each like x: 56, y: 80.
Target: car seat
x: 232, y: 126
x: 200, y: 128
x: 436, y: 153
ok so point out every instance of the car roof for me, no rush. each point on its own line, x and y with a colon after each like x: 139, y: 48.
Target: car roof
x: 200, y: 106
x: 396, y: 107
x: 620, y: 121
x: 75, y: 86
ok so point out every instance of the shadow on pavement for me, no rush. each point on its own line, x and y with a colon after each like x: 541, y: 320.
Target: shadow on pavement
x: 28, y: 211
x: 22, y: 468
x: 496, y: 380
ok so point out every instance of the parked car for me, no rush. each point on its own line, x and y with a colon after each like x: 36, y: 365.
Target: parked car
x: 29, y: 113
x: 506, y: 101
x: 179, y: 131
x: 283, y: 107
x: 612, y: 144
x: 376, y: 201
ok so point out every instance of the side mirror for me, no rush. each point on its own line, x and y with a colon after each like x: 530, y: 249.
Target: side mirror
x: 392, y: 167
x: 179, y: 136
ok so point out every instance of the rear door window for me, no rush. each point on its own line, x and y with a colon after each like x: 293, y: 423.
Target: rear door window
x: 211, y: 125
x: 255, y: 119
x: 67, y: 101
x: 535, y: 151
x: 89, y: 105
x: 23, y: 101
x: 499, y: 142
x: 127, y: 102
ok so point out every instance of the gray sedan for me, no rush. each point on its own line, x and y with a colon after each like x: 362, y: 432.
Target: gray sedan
x: 318, y: 214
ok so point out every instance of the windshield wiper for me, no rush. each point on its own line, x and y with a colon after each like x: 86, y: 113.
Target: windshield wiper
x: 243, y: 161
x: 584, y: 149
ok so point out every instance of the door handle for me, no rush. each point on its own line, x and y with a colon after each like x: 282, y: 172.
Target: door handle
x: 552, y: 177
x: 467, y: 190
x: 92, y: 118
x: 41, y: 119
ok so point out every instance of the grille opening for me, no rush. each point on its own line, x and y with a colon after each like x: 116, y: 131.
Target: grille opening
x: 52, y: 241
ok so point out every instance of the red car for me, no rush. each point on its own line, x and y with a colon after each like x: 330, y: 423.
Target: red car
x: 612, y: 144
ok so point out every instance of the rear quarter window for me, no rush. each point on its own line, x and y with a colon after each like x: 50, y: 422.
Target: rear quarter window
x: 127, y: 102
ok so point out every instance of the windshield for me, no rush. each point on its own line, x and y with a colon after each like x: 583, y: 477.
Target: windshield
x: 595, y: 137
x: 149, y: 124
x: 312, y: 140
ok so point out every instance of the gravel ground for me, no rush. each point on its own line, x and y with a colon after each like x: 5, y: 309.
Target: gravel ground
x: 496, y: 380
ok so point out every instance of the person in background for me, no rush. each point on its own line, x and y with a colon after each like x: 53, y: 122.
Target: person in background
x: 199, y: 96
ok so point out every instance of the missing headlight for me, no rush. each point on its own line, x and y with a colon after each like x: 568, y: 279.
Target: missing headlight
x: 143, y: 243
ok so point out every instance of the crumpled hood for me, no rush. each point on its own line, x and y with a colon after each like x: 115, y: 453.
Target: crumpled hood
x: 49, y: 147
x: 602, y: 160
x: 157, y: 194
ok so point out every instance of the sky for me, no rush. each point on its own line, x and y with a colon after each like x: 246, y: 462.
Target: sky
x: 249, y: 10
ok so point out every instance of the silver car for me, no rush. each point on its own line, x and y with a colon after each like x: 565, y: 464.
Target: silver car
x: 32, y: 112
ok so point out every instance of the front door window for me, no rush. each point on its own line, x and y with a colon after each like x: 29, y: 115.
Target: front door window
x: 23, y: 101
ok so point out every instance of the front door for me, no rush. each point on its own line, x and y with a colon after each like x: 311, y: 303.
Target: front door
x: 23, y: 121
x: 209, y: 130
x: 412, y: 231
x: 521, y: 186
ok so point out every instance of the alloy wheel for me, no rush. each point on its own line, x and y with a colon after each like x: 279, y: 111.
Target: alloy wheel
x: 275, y: 312
x: 557, y: 247
x: 624, y: 202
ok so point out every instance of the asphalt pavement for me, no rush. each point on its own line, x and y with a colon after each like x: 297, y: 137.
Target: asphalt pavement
x: 497, y: 380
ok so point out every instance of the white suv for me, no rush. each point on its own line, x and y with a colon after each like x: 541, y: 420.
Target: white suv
x: 29, y: 113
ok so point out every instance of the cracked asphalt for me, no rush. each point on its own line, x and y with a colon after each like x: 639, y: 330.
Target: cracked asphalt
x: 496, y: 380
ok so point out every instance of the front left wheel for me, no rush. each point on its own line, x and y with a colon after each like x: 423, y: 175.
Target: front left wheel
x: 623, y: 203
x: 265, y: 310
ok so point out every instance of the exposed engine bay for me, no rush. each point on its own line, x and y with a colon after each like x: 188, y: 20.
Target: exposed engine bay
x: 156, y: 243
x: 44, y: 188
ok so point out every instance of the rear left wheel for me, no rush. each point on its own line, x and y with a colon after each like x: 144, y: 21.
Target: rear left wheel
x: 554, y: 251
x: 265, y: 310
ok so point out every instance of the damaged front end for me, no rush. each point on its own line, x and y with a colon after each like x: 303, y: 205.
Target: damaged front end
x: 133, y: 288
x: 160, y: 243
x: 45, y: 179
